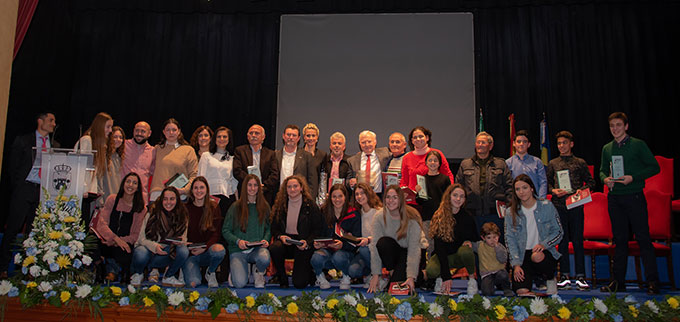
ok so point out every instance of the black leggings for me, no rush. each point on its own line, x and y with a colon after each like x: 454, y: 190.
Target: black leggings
x: 394, y: 258
x: 302, y: 268
x: 544, y: 269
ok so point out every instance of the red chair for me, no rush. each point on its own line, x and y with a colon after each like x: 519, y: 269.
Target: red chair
x: 597, y: 233
x: 659, y: 218
x: 662, y: 181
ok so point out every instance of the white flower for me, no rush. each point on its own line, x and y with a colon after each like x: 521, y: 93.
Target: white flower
x: 76, y: 246
x: 318, y: 303
x: 652, y: 306
x: 83, y: 291
x: 436, y: 310
x: 62, y: 214
x: 599, y: 305
x: 87, y: 260
x: 45, y: 272
x: 29, y: 242
x: 51, y: 245
x: 486, y: 303
x: 50, y: 256
x: 131, y: 289
x: 233, y: 293
x: 350, y: 300
x: 5, y: 286
x: 35, y: 271
x: 17, y: 258
x: 176, y: 298
x: 378, y: 301
x: 537, y: 306
x: 67, y: 236
x: 44, y: 287
x: 276, y: 301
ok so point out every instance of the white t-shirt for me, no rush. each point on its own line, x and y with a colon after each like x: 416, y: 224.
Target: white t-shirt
x: 532, y: 229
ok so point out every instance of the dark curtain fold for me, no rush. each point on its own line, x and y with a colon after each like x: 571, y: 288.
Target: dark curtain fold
x: 24, y: 16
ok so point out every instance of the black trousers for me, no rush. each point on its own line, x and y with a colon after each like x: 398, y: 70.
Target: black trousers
x: 629, y: 212
x: 122, y: 258
x: 302, y: 268
x: 25, y: 199
x: 499, y: 279
x: 544, y: 269
x: 394, y: 258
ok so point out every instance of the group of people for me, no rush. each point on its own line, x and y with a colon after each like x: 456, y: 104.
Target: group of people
x: 177, y: 208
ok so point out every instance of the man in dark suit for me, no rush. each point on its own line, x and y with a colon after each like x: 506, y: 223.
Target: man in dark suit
x: 292, y: 160
x: 260, y: 158
x: 24, y: 171
x: 369, y: 158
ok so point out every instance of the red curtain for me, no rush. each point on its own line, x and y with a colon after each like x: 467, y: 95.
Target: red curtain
x: 24, y: 16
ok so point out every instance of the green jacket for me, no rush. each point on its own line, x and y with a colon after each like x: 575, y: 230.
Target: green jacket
x: 638, y: 161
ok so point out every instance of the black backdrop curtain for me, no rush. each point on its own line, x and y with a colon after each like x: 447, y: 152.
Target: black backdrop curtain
x: 216, y: 63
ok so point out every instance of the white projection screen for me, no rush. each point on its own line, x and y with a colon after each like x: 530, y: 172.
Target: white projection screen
x: 382, y: 72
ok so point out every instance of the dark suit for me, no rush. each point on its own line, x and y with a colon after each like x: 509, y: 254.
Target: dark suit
x: 303, y: 166
x: 269, y: 169
x: 344, y: 170
x: 355, y: 161
x: 25, y: 195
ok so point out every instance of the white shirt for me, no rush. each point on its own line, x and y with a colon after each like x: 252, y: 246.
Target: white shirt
x: 287, y: 164
x: 219, y: 173
x: 367, y: 222
x: 256, y: 156
x: 532, y: 229
x: 376, y: 176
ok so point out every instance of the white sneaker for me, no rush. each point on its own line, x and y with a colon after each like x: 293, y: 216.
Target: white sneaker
x: 345, y: 282
x: 551, y: 286
x: 212, y: 279
x: 367, y: 281
x: 136, y: 279
x: 171, y: 281
x: 153, y: 276
x: 229, y: 281
x: 259, y: 279
x: 322, y: 282
x: 472, y: 286
x: 438, y: 285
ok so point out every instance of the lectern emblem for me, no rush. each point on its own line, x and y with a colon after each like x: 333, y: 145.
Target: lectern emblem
x: 61, y: 177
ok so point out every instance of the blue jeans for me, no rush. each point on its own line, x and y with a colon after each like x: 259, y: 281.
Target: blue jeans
x: 192, y: 266
x: 323, y: 258
x: 239, y: 264
x: 143, y: 257
x: 361, y: 263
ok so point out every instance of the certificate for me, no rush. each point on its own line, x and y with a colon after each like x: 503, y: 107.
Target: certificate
x: 423, y: 187
x: 255, y: 170
x: 617, y: 167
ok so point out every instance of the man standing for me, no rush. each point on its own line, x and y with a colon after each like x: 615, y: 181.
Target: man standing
x: 139, y: 156
x: 523, y: 163
x: 292, y: 160
x: 255, y: 158
x: 25, y: 173
x: 486, y: 179
x: 574, y: 176
x: 626, y: 163
x: 397, y: 147
x: 367, y: 164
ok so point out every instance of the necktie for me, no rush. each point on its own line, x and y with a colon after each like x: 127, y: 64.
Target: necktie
x: 368, y: 169
x: 43, y: 149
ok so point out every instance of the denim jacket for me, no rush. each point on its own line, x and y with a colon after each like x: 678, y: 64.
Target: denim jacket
x: 549, y: 231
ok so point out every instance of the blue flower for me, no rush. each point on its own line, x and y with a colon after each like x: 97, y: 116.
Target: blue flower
x: 54, y: 267
x: 31, y: 251
x: 591, y: 315
x: 49, y: 204
x: 464, y: 297
x: 96, y: 297
x: 168, y: 291
x: 71, y: 204
x: 77, y: 263
x: 202, y: 303
x: 124, y: 301
x: 232, y: 308
x: 630, y: 299
x: 265, y: 309
x: 70, y: 285
x: 31, y: 235
x: 80, y: 235
x: 64, y: 250
x: 616, y: 317
x: 14, y: 291
x: 24, y: 270
x: 57, y: 227
x: 404, y: 311
x: 50, y: 294
x: 421, y: 299
x: 519, y: 313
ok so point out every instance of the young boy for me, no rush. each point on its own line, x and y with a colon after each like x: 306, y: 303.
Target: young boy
x: 492, y: 258
x: 576, y: 169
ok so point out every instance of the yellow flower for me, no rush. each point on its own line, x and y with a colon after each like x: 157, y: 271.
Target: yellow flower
x: 673, y: 302
x: 63, y: 261
x: 500, y: 311
x: 271, y: 295
x: 55, y: 235
x: 115, y: 290
x: 250, y: 301
x: 147, y: 301
x: 292, y: 308
x: 362, y: 310
x: 154, y: 288
x: 45, y: 215
x: 28, y: 261
x: 564, y: 313
x: 65, y: 295
x: 332, y: 303
x: 31, y: 284
x: 394, y: 301
x: 633, y: 310
x: 453, y: 305
x: 69, y: 219
x: 193, y: 296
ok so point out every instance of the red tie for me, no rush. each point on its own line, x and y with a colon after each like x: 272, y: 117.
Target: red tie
x: 44, y: 146
x: 368, y: 169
